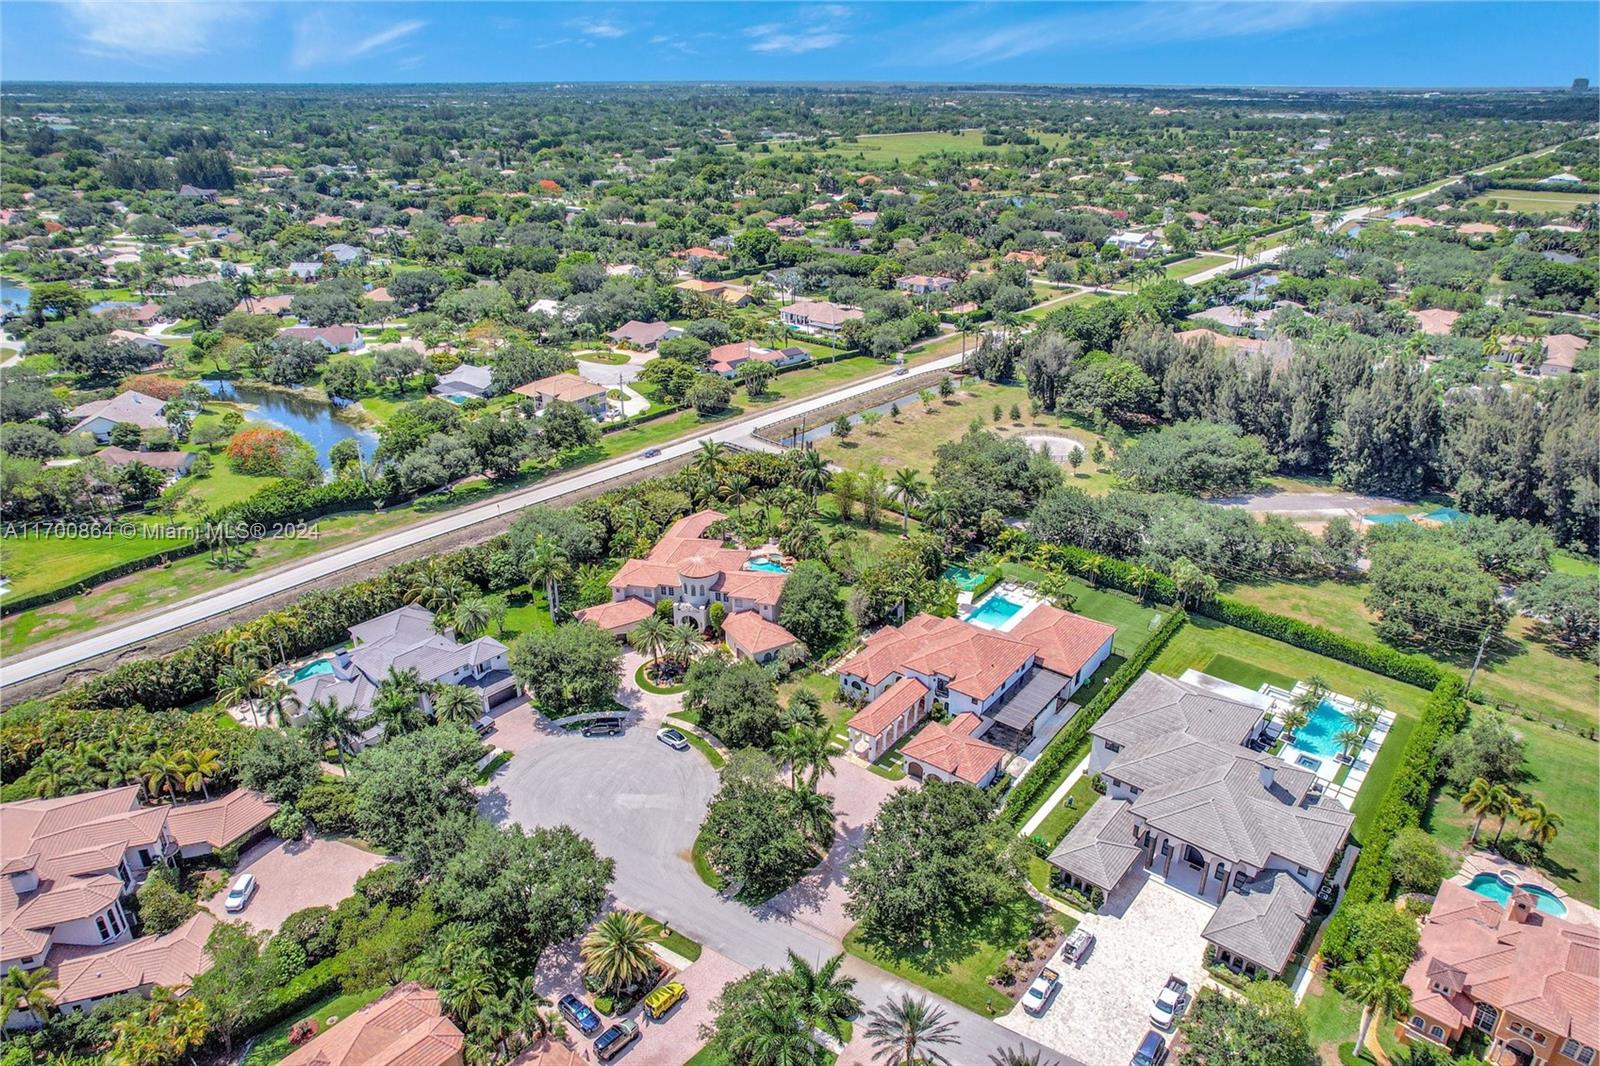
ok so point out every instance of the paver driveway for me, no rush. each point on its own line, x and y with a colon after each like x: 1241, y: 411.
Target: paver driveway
x: 314, y: 873
x: 1146, y: 932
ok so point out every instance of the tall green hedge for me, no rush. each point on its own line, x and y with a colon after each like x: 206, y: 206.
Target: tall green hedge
x: 1403, y: 804
x: 1052, y: 765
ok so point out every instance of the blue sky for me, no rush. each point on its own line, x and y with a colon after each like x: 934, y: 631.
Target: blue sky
x: 1167, y: 42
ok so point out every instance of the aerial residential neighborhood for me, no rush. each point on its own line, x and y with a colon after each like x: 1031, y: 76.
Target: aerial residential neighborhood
x: 727, y: 535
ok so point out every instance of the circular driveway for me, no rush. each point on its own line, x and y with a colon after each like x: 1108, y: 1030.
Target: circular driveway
x: 639, y: 801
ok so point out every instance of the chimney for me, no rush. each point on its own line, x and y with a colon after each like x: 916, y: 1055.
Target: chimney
x: 1519, y: 907
x: 1267, y: 774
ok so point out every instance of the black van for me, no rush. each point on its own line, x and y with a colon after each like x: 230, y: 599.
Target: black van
x: 603, y: 727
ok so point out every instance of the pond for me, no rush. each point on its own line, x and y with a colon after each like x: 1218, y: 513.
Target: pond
x: 314, y: 421
x: 13, y: 296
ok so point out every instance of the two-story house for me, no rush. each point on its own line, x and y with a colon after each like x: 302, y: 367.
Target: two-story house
x: 1528, y: 980
x: 1190, y: 800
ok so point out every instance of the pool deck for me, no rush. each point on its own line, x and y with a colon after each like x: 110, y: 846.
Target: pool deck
x: 1487, y: 862
x: 1020, y: 594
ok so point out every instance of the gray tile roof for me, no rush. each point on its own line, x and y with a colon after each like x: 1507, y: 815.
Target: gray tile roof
x: 1262, y: 920
x: 1101, y: 847
x: 1156, y: 706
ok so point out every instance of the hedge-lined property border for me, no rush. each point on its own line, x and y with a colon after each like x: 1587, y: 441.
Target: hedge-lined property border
x: 1052, y: 765
x: 1404, y: 803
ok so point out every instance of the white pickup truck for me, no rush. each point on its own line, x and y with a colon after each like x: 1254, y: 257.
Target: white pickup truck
x: 1037, y: 997
x: 1171, y: 1002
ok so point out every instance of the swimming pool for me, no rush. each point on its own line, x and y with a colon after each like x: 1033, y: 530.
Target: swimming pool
x: 966, y: 580
x: 766, y: 566
x: 312, y: 669
x: 994, y: 612
x: 1319, y: 735
x: 1492, y: 886
x: 1386, y: 519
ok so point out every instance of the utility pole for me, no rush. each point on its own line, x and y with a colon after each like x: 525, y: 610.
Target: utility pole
x: 1478, y: 658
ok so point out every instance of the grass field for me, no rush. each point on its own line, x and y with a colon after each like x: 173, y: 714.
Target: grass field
x: 883, y: 148
x: 1187, y: 267
x: 958, y: 967
x: 273, y: 1044
x: 1134, y: 621
x: 1520, y: 671
x: 910, y: 438
x: 1535, y: 203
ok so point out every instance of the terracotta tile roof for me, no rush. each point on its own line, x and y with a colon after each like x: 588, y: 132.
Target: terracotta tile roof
x: 884, y: 711
x: 568, y: 387
x: 1561, y: 349
x: 1545, y: 970
x: 1435, y: 321
x: 172, y: 959
x: 974, y: 661
x: 403, y: 1027
x: 681, y: 551
x: 615, y: 614
x: 1063, y: 641
x: 954, y: 750
x: 219, y: 822
x: 755, y: 634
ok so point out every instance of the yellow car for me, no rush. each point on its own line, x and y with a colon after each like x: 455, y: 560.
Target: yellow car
x: 663, y: 999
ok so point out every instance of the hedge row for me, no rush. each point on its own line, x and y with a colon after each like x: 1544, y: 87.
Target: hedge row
x: 1404, y: 803
x: 1053, y: 763
x: 1098, y: 569
x: 298, y: 995
x: 1416, y: 670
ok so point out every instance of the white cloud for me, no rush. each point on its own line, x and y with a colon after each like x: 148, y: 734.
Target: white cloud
x: 601, y: 27
x: 319, y: 42
x: 807, y: 31
x: 160, y: 29
x: 1149, y: 22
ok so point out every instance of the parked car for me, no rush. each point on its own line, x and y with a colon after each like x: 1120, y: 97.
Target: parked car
x: 484, y: 726
x: 1152, y: 1050
x: 1327, y: 896
x: 578, y: 1013
x: 1171, y: 1002
x: 673, y: 739
x: 1079, y: 941
x: 1037, y: 997
x: 611, y: 1042
x: 603, y: 727
x: 663, y: 999
x: 244, y: 886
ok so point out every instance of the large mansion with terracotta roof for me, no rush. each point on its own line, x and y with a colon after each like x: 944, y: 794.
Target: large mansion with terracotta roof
x: 1528, y: 980
x: 403, y: 1027
x: 692, y: 572
x: 993, y: 683
x: 70, y: 863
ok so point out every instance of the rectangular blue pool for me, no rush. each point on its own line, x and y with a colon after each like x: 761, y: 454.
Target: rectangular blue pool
x: 994, y: 612
x: 1318, y: 735
x: 766, y: 566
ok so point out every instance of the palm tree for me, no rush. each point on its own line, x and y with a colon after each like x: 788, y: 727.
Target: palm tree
x: 27, y: 990
x: 1540, y: 821
x: 456, y: 703
x: 161, y: 774
x: 239, y: 682
x: 278, y: 701
x: 906, y: 1030
x: 813, y: 811
x: 1476, y: 802
x: 547, y: 564
x: 1371, y: 985
x: 1293, y: 718
x: 871, y: 484
x: 775, y: 1033
x: 908, y: 487
x: 683, y: 641
x: 1143, y: 577
x: 710, y: 459
x: 1019, y: 1056
x: 199, y: 768
x: 825, y: 996
x: 50, y: 771
x: 940, y: 511
x: 436, y: 588
x: 1349, y: 740
x: 811, y: 471
x: 471, y: 617
x: 468, y: 985
x: 330, y: 722
x: 617, y: 950
x: 398, y: 703
x: 649, y: 637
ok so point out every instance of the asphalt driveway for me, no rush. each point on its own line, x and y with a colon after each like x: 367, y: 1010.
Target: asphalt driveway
x: 1146, y: 932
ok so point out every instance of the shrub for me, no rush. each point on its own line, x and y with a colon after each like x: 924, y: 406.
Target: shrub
x: 288, y: 824
x: 331, y: 805
x: 302, y: 1030
x: 263, y: 452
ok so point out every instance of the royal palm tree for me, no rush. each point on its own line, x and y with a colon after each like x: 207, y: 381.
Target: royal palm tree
x: 548, y: 565
x: 1370, y: 984
x: 616, y: 951
x: 650, y: 636
x: 1540, y: 821
x: 811, y: 473
x: 907, y: 1030
x: 907, y: 486
x: 775, y: 1033
x: 330, y: 722
x: 826, y: 997
x: 27, y: 990
x: 456, y: 703
x: 710, y: 460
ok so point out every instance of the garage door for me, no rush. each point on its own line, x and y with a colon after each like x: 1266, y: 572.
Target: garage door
x: 502, y: 697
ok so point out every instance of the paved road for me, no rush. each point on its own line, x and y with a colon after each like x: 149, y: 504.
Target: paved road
x: 318, y: 568
x: 642, y: 803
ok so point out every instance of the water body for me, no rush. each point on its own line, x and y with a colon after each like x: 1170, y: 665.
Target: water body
x: 285, y: 410
x: 14, y: 296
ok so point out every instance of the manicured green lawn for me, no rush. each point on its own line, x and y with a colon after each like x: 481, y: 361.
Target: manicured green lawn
x: 1079, y: 798
x: 35, y: 564
x: 525, y: 614
x: 702, y: 867
x: 1332, y: 1019
x: 1186, y: 267
x: 273, y: 1044
x: 959, y: 967
x: 674, y: 941
x: 608, y: 358
x: 1134, y: 621
x: 704, y: 748
x: 881, y: 149
x: 1553, y: 202
x: 1248, y: 675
